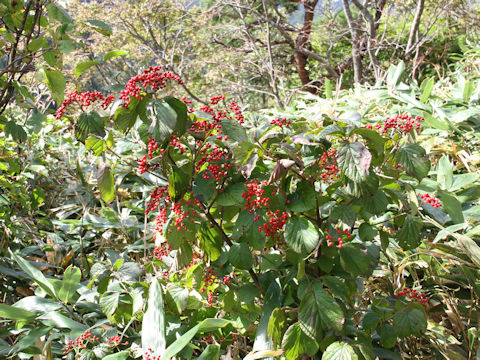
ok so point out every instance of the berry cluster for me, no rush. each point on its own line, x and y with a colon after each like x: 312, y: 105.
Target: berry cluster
x: 158, y: 194
x: 402, y: 123
x: 433, y: 201
x: 280, y: 122
x: 340, y: 236
x: 274, y: 225
x: 216, y: 99
x: 149, y: 355
x: 85, y: 99
x: 327, y: 166
x: 163, y: 250
x: 152, y: 146
x: 115, y: 341
x: 143, y: 165
x: 413, y: 295
x: 238, y: 112
x: 218, y: 160
x: 153, y: 76
x: 253, y: 196
x: 81, y: 342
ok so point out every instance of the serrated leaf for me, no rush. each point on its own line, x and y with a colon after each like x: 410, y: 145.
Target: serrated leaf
x: 153, y: 324
x: 56, y: 83
x: 301, y: 235
x: 17, y: 132
x: 89, y: 123
x: 410, y: 321
x: 354, y: 259
x: 231, y: 195
x: 234, y: 131
x: 295, y: 343
x: 388, y: 338
x: 84, y: 66
x: 114, y: 53
x: 409, y: 235
x: 354, y: 160
x: 370, y: 321
x: 211, y: 352
x: 339, y: 351
x: 240, y: 256
x: 211, y: 241
x: 179, y: 296
x: 95, y: 144
x: 106, y: 183
x: 109, y: 302
x: 178, y: 183
x: 101, y: 27
x: 318, y: 311
x: 303, y: 198
x: 414, y: 158
x: 276, y: 326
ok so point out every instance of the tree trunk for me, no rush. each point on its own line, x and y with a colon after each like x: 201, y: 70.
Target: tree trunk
x: 414, y: 28
x: 301, y: 41
x: 356, y: 54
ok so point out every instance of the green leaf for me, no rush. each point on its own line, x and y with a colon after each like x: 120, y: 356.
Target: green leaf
x: 451, y: 206
x: 303, y: 198
x: 273, y: 299
x: 206, y: 325
x: 370, y: 321
x: 354, y: 259
x: 234, y: 131
x: 56, y: 83
x: 124, y: 117
x: 37, y: 304
x: 114, y: 53
x: 15, y: 313
x: 240, y: 256
x: 122, y: 355
x: 30, y: 338
x: 179, y: 295
x: 36, y: 44
x: 100, y: 27
x: 98, y: 146
x: 54, y: 318
x: 388, y: 338
x: 182, y: 113
x: 354, y: 160
x: 426, y: 87
x: 468, y: 89
x: 231, y: 195
x: 409, y: 235
x: 35, y: 275
x: 445, y: 173
x: 106, y: 183
x: 409, y: 321
x: 414, y: 158
x: 374, y: 140
x: 211, y: 352
x: 276, y: 326
x: 336, y: 286
x: 66, y: 46
x: 395, y: 74
x: 318, y: 311
x: 301, y: 235
x: 15, y: 131
x: 109, y: 302
x: 178, y: 183
x: 84, y: 66
x: 89, y: 123
x: 328, y: 88
x: 339, y: 351
x: 295, y: 343
x: 153, y: 324
x: 58, y: 13
x: 211, y: 241
x: 70, y: 282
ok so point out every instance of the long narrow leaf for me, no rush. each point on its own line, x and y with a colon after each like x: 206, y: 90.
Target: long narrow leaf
x: 153, y: 325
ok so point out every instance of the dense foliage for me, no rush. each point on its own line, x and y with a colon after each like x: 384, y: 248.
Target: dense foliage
x: 138, y: 222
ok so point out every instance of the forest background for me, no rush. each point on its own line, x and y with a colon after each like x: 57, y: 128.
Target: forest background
x: 239, y: 179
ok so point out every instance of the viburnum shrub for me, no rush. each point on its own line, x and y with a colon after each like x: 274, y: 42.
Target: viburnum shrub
x: 267, y: 232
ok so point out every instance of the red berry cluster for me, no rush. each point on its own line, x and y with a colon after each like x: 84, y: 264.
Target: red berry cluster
x: 158, y: 194
x: 163, y: 250
x: 153, y: 76
x: 81, y: 342
x: 115, y: 341
x: 280, y: 122
x: 432, y: 200
x: 273, y: 227
x: 143, y: 165
x: 402, y: 123
x: 340, y: 236
x: 218, y: 160
x: 253, y: 196
x: 327, y: 166
x: 413, y: 295
x: 188, y: 102
x: 149, y: 355
x: 152, y: 146
x: 85, y: 99
x: 216, y: 99
x: 238, y: 112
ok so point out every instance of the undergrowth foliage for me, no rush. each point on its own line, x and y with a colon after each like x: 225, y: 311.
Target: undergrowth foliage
x: 308, y: 235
